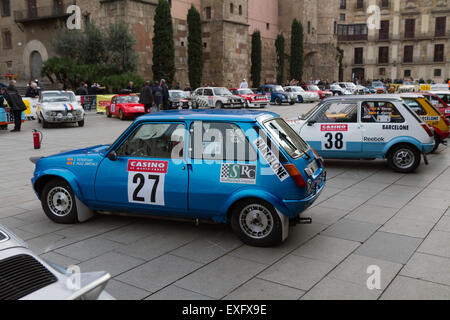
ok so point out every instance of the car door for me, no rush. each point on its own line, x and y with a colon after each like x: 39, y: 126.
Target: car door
x: 150, y: 172
x: 380, y: 123
x: 334, y: 131
x: 221, y: 162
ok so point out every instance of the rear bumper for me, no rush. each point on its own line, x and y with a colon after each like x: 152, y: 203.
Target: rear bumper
x: 427, y: 148
x: 296, y: 207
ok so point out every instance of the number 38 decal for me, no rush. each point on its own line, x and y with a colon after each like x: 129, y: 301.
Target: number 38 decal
x: 146, y: 182
x: 334, y: 141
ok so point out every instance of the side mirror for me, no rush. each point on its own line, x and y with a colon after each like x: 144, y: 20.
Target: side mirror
x: 311, y: 123
x: 112, y: 156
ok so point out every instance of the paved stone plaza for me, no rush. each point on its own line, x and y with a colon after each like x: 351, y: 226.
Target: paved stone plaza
x: 367, y: 216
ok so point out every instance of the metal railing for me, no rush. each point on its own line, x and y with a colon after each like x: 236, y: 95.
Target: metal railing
x: 41, y: 13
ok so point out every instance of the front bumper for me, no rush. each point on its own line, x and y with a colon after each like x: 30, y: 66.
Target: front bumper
x: 257, y: 104
x: 63, y: 119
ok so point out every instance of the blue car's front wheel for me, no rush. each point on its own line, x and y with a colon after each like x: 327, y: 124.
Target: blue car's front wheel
x: 257, y: 223
x: 58, y: 202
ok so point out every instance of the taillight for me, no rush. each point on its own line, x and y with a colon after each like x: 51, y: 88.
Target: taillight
x: 295, y: 174
x: 427, y: 129
x: 317, y: 155
x: 446, y: 121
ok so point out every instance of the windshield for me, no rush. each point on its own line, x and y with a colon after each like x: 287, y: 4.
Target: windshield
x: 278, y: 89
x: 351, y: 85
x: 287, y: 138
x: 377, y: 84
x: 128, y: 99
x: 310, y: 112
x: 297, y: 89
x: 222, y: 92
x: 58, y: 97
x: 178, y: 94
x: 313, y: 88
x: 409, y: 83
x: 245, y: 91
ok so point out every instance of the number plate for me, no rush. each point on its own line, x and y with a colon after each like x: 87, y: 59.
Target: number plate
x: 313, y: 166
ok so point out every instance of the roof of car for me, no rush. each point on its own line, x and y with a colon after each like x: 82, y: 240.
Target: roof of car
x: 56, y: 91
x: 440, y: 92
x: 209, y: 115
x: 377, y: 97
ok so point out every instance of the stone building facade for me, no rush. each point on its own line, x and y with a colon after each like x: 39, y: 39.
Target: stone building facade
x: 412, y: 39
x: 28, y: 27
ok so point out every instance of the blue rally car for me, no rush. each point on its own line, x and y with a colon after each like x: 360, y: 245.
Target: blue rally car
x: 247, y: 168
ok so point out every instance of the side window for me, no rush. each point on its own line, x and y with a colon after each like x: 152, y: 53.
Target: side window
x: 220, y: 141
x: 338, y: 112
x: 155, y: 140
x: 208, y: 92
x: 380, y: 112
x: 199, y: 92
x: 415, y: 105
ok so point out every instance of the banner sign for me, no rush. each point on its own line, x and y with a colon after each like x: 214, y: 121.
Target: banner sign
x: 103, y: 101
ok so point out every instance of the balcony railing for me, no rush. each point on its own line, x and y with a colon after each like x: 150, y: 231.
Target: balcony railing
x: 42, y: 13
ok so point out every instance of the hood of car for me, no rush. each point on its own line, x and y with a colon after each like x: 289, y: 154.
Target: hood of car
x: 55, y: 106
x: 85, y: 151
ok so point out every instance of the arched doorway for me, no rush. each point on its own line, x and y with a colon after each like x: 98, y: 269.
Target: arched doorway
x: 358, y: 74
x: 35, y: 65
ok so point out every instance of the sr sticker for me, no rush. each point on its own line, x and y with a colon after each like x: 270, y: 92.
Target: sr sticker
x: 146, y: 181
x: 271, y: 159
x: 238, y: 173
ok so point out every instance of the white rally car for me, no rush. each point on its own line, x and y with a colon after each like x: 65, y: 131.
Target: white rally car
x: 300, y: 95
x: 216, y: 97
x: 367, y: 127
x: 59, y: 107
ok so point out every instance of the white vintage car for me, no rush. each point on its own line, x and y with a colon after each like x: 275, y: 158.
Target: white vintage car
x: 59, y: 107
x: 216, y: 97
x: 408, y: 86
x: 300, y: 95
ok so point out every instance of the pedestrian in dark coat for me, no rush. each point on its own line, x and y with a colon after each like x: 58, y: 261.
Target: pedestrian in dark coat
x: 165, y: 91
x: 16, y: 104
x: 157, y: 96
x: 146, y: 97
x: 32, y: 91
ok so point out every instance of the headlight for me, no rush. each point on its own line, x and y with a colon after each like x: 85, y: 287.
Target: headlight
x: 48, y: 113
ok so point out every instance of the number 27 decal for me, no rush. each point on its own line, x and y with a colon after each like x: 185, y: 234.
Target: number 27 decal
x: 146, y: 182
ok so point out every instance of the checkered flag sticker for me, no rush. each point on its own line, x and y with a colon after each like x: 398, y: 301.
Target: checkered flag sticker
x: 225, y: 171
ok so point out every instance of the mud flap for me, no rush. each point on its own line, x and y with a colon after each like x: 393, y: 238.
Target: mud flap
x: 284, y: 225
x: 425, y: 158
x: 83, y: 212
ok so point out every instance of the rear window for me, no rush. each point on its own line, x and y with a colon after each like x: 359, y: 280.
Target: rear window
x: 286, y: 137
x: 411, y: 111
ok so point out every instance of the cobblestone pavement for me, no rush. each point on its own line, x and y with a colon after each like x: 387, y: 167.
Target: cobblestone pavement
x: 367, y: 216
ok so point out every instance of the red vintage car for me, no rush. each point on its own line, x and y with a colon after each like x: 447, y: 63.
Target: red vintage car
x: 437, y: 99
x: 252, y: 100
x: 125, y: 106
x: 314, y: 88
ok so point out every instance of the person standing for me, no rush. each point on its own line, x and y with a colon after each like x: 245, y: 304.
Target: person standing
x: 16, y: 104
x: 244, y: 84
x: 165, y: 94
x: 32, y: 91
x: 146, y: 97
x: 157, y: 96
x: 131, y: 87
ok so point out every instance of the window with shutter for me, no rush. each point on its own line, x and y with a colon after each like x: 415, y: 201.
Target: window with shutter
x: 440, y: 26
x: 384, y: 31
x: 383, y: 55
x: 439, y: 53
x: 408, y: 54
x: 359, y: 55
x: 410, y: 28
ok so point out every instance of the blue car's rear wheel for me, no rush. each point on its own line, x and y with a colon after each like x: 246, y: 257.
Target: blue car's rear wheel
x: 58, y: 202
x: 256, y: 222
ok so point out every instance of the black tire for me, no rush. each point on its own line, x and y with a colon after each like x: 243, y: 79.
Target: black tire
x: 67, y: 212
x: 292, y: 102
x: 404, y: 158
x: 81, y: 123
x: 278, y: 101
x: 219, y: 105
x: 44, y: 123
x: 39, y: 119
x: 437, y: 142
x: 121, y: 115
x: 269, y: 217
x: 108, y: 113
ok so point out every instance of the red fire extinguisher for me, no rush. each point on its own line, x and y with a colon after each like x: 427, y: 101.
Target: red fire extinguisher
x: 37, y: 139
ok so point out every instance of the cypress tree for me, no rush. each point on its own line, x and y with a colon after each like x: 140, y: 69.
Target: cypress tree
x: 195, y: 48
x: 296, y: 50
x: 163, y: 44
x: 256, y: 59
x: 280, y: 44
